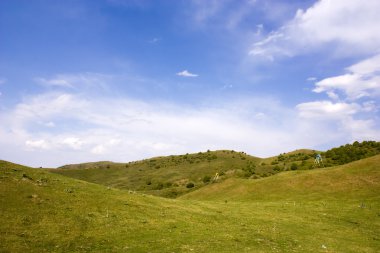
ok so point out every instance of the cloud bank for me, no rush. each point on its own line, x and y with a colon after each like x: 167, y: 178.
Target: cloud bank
x: 55, y: 128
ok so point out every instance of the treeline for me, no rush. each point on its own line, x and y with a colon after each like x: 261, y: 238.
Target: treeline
x: 351, y: 152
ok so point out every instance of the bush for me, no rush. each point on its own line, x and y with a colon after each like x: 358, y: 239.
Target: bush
x: 206, y: 179
x: 190, y: 185
x: 294, y: 166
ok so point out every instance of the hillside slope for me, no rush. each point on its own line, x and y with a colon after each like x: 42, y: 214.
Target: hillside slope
x: 46, y: 212
x: 170, y: 176
x: 164, y: 176
x: 360, y: 179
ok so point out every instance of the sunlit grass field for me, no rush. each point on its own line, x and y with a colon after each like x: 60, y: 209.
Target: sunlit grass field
x: 325, y: 210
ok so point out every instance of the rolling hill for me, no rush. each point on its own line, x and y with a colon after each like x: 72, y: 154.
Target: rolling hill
x: 170, y: 176
x: 174, y: 176
x: 324, y: 210
x: 163, y: 176
x: 292, y: 211
x: 359, y: 180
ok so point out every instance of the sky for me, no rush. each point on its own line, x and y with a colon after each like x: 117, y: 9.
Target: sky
x: 123, y: 80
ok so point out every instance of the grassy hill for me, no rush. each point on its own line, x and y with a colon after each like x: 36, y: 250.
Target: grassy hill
x: 359, y: 180
x: 171, y: 176
x: 164, y: 176
x: 47, y: 212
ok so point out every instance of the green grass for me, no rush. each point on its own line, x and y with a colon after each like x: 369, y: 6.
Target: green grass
x: 162, y: 176
x: 168, y: 176
x: 360, y: 179
x: 327, y: 210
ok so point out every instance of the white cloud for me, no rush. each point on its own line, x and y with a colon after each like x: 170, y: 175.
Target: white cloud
x: 340, y: 119
x: 204, y: 10
x: 327, y: 110
x: 124, y: 129
x: 98, y: 150
x: 362, y: 80
x: 368, y: 66
x: 352, y: 25
x: 73, y: 142
x: 311, y: 79
x: 49, y: 124
x: 226, y: 15
x: 186, y: 73
x: 2, y: 81
x: 37, y: 144
x: 77, y: 81
x: 59, y: 82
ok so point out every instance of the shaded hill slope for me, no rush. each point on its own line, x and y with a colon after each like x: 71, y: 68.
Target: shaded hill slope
x: 360, y: 179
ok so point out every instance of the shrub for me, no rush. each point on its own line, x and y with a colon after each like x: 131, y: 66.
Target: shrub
x: 294, y: 166
x: 206, y: 179
x: 190, y: 185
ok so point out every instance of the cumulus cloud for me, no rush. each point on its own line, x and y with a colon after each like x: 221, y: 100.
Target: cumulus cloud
x: 327, y: 110
x: 350, y: 25
x: 37, y: 144
x: 186, y: 73
x: 362, y: 80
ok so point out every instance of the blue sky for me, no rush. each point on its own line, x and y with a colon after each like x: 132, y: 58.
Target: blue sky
x: 123, y: 80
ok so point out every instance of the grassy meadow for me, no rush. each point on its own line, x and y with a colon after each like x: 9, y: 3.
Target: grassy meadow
x: 324, y: 210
